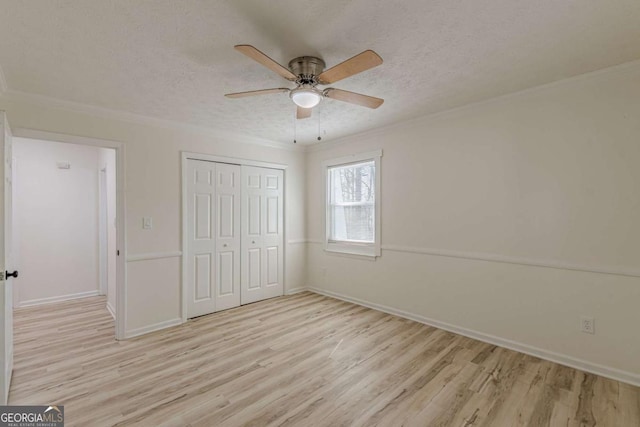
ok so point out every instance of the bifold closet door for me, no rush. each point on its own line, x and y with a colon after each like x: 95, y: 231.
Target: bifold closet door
x: 262, y: 262
x: 213, y: 227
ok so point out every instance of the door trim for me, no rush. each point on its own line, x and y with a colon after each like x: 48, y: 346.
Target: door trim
x: 230, y: 160
x: 121, y: 212
x: 103, y: 232
x: 188, y: 155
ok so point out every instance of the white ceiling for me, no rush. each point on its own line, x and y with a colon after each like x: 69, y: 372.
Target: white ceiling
x: 175, y: 59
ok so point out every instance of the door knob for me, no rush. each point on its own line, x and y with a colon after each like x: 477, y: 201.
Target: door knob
x: 14, y: 274
x: 253, y: 241
x: 224, y: 246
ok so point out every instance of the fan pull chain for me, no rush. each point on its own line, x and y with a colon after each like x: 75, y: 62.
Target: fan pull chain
x: 318, y: 114
x: 295, y: 130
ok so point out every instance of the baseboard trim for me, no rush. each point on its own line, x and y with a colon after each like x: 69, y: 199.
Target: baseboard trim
x: 111, y: 311
x: 583, y: 365
x: 152, y: 328
x: 295, y: 291
x: 50, y: 300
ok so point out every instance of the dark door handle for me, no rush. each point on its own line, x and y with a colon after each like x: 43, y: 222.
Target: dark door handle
x: 14, y: 274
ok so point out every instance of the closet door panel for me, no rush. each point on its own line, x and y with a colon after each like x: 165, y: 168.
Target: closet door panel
x: 262, y: 234
x: 273, y: 236
x: 201, y: 268
x: 228, y: 189
x: 213, y: 230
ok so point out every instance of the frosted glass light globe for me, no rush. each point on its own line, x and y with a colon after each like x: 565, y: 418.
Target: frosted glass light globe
x: 306, y: 97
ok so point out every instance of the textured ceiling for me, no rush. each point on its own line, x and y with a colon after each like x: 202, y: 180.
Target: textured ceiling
x: 175, y: 59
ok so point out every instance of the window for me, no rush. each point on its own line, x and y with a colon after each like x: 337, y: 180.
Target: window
x: 352, y: 202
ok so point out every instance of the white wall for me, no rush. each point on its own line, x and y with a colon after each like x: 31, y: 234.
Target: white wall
x: 153, y: 189
x: 546, y: 177
x: 107, y: 161
x: 56, y: 217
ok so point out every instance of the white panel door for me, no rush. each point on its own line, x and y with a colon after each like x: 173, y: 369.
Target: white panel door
x: 262, y: 261
x: 201, y: 249
x: 6, y: 291
x: 227, y: 226
x: 213, y: 246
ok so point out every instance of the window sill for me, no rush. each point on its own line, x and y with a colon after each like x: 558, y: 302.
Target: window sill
x: 370, y: 252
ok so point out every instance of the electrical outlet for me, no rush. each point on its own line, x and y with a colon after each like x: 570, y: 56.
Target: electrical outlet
x: 587, y: 325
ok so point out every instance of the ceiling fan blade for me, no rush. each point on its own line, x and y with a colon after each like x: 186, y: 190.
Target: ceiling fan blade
x: 353, y: 98
x: 256, y: 92
x: 263, y: 59
x: 359, y: 63
x: 303, y: 113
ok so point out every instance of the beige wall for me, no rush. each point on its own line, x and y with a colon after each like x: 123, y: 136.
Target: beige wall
x: 55, y: 221
x: 549, y: 177
x: 153, y: 189
x: 544, y: 177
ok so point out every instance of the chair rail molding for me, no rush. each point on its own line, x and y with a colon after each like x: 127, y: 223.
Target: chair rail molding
x: 153, y: 255
x: 506, y: 259
x: 534, y: 262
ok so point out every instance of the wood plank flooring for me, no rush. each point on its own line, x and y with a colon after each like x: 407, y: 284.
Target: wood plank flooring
x: 301, y: 360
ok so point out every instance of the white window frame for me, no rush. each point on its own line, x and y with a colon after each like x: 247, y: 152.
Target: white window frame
x: 353, y: 248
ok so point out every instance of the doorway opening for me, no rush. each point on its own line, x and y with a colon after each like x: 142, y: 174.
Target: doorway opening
x: 114, y: 170
x: 64, y: 222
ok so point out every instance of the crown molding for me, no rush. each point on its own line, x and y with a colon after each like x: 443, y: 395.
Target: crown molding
x: 140, y: 119
x: 444, y: 114
x: 107, y: 113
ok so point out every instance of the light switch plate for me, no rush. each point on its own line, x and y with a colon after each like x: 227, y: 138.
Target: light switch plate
x: 147, y: 223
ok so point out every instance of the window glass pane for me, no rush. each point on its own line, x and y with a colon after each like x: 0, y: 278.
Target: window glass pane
x: 352, y: 202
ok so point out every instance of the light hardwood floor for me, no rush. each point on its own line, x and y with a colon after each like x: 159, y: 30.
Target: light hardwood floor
x: 301, y: 360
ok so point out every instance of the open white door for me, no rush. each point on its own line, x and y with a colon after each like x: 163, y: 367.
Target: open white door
x: 6, y: 291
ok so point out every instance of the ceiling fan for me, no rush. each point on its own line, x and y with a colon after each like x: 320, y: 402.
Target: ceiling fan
x: 308, y: 72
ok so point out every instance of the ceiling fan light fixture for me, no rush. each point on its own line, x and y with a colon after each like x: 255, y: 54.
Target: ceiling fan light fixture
x: 306, y: 97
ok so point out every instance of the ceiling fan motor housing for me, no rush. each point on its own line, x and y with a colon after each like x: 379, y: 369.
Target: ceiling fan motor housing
x: 307, y: 68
